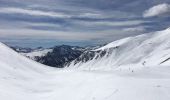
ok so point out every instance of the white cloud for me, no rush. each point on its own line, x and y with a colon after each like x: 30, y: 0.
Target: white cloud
x: 90, y: 13
x: 41, y: 24
x: 157, y: 10
x: 135, y: 29
x: 32, y: 12
x: 121, y: 23
x: 111, y: 23
x: 11, y: 10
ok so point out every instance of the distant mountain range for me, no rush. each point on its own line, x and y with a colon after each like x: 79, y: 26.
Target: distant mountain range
x: 142, y: 50
x: 58, y: 56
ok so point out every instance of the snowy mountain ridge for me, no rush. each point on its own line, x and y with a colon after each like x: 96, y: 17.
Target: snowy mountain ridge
x: 143, y: 50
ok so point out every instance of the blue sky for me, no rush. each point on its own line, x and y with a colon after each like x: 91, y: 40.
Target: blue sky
x: 32, y: 23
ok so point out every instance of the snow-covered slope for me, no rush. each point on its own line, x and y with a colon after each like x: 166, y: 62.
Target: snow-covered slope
x: 23, y: 79
x: 145, y: 50
x: 13, y: 60
x: 17, y: 73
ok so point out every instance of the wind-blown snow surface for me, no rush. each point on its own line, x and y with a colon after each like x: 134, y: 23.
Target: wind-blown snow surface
x: 23, y: 79
x: 144, y: 50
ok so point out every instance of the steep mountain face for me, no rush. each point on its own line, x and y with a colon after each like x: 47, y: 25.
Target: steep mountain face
x: 60, y: 56
x: 144, y: 50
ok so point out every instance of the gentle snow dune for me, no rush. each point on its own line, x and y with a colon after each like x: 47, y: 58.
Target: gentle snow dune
x: 144, y: 50
x: 23, y: 79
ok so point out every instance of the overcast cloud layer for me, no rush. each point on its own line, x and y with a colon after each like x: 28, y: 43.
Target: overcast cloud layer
x: 79, y: 22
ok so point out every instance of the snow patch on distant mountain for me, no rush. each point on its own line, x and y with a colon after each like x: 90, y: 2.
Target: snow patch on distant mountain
x: 37, y: 53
